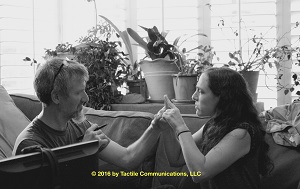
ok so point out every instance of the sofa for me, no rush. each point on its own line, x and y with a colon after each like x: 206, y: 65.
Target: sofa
x: 124, y: 127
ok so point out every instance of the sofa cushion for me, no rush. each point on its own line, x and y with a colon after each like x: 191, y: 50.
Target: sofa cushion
x: 12, y: 122
x: 124, y: 127
x: 194, y: 123
x: 30, y: 105
x: 286, y: 172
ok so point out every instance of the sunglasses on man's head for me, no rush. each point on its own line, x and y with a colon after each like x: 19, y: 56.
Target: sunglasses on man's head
x: 59, y: 69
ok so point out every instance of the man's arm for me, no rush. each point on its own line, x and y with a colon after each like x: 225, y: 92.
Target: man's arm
x: 25, y: 143
x: 132, y: 156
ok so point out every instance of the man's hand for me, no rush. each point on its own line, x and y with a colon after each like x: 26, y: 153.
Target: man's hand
x: 158, y: 122
x: 91, y: 134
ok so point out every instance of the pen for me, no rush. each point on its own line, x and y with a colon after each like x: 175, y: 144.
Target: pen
x: 99, y: 127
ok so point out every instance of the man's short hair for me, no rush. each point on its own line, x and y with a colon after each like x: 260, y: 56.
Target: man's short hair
x: 54, y: 75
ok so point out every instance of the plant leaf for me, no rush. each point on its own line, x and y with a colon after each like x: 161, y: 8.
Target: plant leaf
x: 124, y: 37
x: 137, y: 38
x: 286, y: 91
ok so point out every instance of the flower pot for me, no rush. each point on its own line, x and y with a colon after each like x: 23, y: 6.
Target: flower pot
x: 184, y: 87
x: 251, y: 78
x: 158, y: 76
x: 138, y: 87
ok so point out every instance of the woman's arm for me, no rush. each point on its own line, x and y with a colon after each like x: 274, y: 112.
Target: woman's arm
x: 233, y: 146
x: 173, y: 148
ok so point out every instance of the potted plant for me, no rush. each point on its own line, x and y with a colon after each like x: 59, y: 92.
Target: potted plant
x: 106, y: 64
x: 261, y: 52
x: 159, y: 66
x: 135, y: 82
x: 259, y: 58
x: 190, y: 69
x: 160, y: 63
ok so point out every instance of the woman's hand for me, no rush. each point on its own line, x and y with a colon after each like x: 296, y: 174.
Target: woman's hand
x: 173, y: 117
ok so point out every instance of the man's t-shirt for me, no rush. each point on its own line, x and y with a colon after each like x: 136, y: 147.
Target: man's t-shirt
x: 38, y: 133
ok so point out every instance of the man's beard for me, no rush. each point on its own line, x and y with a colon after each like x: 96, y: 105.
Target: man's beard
x: 79, y: 117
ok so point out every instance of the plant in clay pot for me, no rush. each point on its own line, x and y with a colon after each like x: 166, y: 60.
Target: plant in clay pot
x: 190, y: 69
x: 164, y: 61
x: 262, y: 56
x: 260, y: 52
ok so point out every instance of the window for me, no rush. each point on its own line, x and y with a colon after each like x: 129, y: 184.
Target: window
x: 177, y: 17
x: 42, y: 24
x: 229, y: 35
x: 295, y: 37
x: 26, y: 28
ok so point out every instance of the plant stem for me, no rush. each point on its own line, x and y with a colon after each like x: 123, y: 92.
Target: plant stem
x: 96, y: 14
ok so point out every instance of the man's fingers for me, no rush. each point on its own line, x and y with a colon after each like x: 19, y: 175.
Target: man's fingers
x: 92, y: 127
x: 168, y: 103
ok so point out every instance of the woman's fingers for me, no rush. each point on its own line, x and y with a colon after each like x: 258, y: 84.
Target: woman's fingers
x: 168, y: 103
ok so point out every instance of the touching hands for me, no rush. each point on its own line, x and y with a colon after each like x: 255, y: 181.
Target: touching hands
x: 93, y: 134
x: 169, y: 115
x: 172, y: 116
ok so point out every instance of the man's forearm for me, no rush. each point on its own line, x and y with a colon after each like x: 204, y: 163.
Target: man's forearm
x: 143, y: 147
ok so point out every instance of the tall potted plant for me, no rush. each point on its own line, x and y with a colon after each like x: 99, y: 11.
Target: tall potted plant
x: 160, y: 66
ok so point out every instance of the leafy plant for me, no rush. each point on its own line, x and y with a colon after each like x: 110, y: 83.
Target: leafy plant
x: 262, y: 52
x: 156, y: 46
x: 292, y: 54
x: 60, y: 48
x: 106, y: 65
x: 197, y: 65
x: 32, y: 61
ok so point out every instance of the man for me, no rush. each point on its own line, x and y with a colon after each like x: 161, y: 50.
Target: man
x: 60, y: 86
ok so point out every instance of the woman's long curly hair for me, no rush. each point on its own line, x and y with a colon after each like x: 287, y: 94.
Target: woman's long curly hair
x: 235, y: 107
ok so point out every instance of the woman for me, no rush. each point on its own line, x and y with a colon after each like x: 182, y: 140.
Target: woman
x: 229, y: 151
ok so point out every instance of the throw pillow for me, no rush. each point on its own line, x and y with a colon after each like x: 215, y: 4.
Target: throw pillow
x: 12, y: 122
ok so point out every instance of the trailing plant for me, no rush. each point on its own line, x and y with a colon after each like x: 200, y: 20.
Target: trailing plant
x: 262, y: 52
